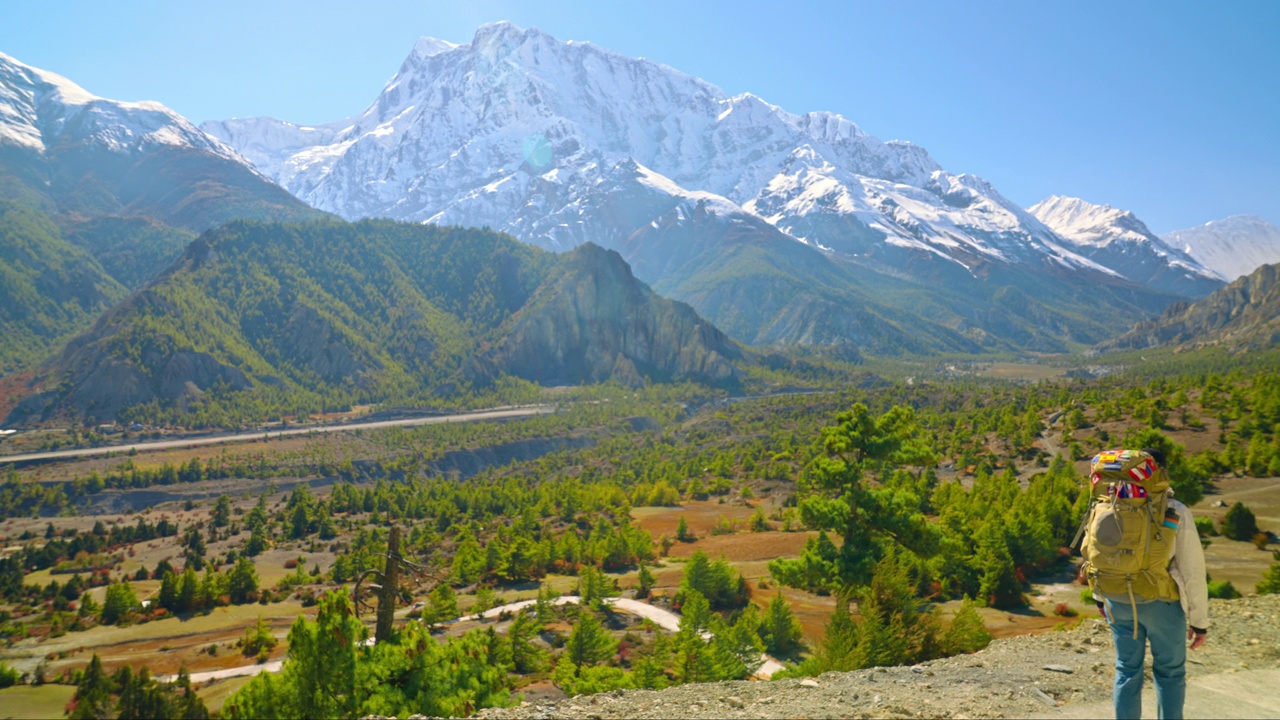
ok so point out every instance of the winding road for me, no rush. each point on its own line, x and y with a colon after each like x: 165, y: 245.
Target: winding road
x: 494, y: 414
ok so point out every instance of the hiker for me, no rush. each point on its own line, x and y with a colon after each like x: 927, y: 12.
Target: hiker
x: 1145, y: 566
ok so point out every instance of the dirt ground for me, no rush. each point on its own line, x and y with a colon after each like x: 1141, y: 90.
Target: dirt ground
x: 699, y: 515
x: 1241, y: 562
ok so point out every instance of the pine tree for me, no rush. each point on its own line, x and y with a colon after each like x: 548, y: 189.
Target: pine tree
x: 545, y: 606
x: 242, y: 582
x: 644, y: 582
x: 442, y: 604
x: 1270, y: 583
x: 780, y: 629
x: 221, y: 514
x: 682, y: 531
x: 999, y: 584
x: 526, y: 657
x: 120, y: 600
x: 93, y: 694
x: 590, y: 642
x: 594, y: 586
x: 871, y: 521
x: 967, y: 632
x: 1239, y: 523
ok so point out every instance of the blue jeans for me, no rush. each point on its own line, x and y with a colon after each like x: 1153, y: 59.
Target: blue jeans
x: 1165, y: 625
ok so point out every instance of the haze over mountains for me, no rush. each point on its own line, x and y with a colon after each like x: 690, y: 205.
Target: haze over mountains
x: 1233, y: 246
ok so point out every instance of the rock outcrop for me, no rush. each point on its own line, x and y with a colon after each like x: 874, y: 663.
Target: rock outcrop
x: 593, y: 321
x: 1242, y: 315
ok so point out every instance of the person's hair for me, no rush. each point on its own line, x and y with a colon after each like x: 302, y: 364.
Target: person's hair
x: 1155, y: 455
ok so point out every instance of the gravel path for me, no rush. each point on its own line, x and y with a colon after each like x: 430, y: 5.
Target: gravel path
x: 1050, y: 675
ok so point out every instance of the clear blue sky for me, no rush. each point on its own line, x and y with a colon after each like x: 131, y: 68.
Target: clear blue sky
x: 1169, y: 109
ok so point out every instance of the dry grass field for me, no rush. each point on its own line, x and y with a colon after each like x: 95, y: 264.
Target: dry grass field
x: 35, y: 702
x: 1241, y: 562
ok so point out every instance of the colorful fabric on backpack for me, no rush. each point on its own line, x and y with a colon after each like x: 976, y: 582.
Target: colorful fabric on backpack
x: 1143, y: 472
x: 1171, y: 519
x: 1127, y: 490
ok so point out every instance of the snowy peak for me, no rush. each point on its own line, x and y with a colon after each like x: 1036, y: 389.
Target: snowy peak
x: 40, y: 109
x: 1117, y: 239
x: 1085, y: 223
x: 428, y: 46
x: 1233, y: 246
x: 455, y: 118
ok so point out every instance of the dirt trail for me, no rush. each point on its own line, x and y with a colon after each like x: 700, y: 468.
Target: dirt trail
x: 665, y: 619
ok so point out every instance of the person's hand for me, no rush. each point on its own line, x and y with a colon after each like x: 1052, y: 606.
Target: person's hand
x: 1197, y: 638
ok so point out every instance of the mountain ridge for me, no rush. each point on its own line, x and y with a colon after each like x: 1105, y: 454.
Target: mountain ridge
x: 1118, y: 240
x: 114, y: 190
x: 1243, y: 315
x: 327, y: 313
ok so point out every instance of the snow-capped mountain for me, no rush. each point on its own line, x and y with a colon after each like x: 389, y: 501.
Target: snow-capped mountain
x: 1232, y: 247
x: 84, y: 158
x: 755, y: 215
x: 40, y: 110
x: 1120, y: 241
x: 517, y: 126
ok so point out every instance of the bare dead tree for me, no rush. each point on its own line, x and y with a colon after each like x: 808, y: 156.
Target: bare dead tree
x: 386, y: 583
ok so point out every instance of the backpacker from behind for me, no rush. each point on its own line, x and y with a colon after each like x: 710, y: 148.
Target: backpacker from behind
x: 1130, y: 529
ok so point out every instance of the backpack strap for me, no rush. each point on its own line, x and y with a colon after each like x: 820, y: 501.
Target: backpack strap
x: 1084, y: 523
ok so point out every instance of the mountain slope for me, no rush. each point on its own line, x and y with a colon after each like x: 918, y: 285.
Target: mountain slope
x: 100, y: 196
x: 81, y: 155
x: 260, y: 315
x: 561, y: 143
x: 1118, y: 240
x: 1231, y: 247
x: 49, y: 288
x: 592, y: 321
x: 1242, y: 315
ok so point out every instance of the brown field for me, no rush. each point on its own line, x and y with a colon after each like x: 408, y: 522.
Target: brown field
x: 700, y: 515
x: 1020, y: 371
x: 163, y: 646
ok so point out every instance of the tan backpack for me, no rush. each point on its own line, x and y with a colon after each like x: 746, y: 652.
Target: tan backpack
x: 1129, y: 530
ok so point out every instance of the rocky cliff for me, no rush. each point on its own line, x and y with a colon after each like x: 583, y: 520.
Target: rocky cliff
x: 1242, y: 315
x: 593, y: 321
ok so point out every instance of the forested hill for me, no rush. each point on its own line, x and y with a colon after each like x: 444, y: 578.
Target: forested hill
x: 266, y: 318
x: 49, y: 288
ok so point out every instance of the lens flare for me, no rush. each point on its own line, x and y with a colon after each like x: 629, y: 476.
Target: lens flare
x: 537, y: 152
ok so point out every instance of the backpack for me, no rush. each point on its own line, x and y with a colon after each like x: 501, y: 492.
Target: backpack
x: 1129, y: 530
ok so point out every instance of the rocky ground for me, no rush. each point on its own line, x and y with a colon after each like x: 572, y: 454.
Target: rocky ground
x: 1015, y: 677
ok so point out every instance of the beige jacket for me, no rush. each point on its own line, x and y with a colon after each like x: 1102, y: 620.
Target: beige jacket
x: 1187, y: 568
